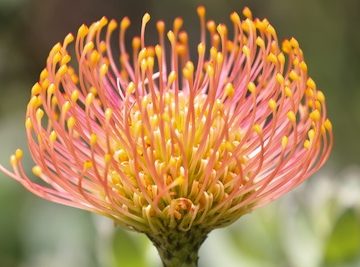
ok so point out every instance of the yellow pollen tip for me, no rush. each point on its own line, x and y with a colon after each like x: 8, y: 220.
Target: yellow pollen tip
x: 294, y: 43
x: 39, y: 115
x: 71, y: 123
x: 288, y: 91
x: 328, y: 125
x: 107, y: 158
x: 62, y: 71
x: 281, y: 58
x: 272, y: 58
x: 251, y: 87
x: 201, y: 11
x: 13, y: 161
x: 28, y: 124
x: 37, y: 171
x: 210, y: 70
x: 19, y: 154
x: 178, y: 22
x: 53, y: 136
x: 294, y: 76
x: 56, y: 58
x: 303, y: 66
x: 66, y: 59
x: 125, y: 23
x: 229, y: 90
x: 315, y: 115
x: 75, y: 96
x: 320, y: 96
x: 44, y: 74
x: 311, y: 134
x: 112, y: 25
x: 88, y: 165
x: 36, y: 89
x: 65, y: 108
x: 284, y: 141
x: 260, y: 42
x: 246, y: 51
x: 310, y: 83
x: 307, y: 144
x: 272, y: 104
x: 103, y: 70
x: 247, y: 13
x: 108, y: 114
x: 257, y: 128
x: 291, y: 116
x: 68, y: 39
x: 93, y: 139
x: 89, y: 99
x: 146, y: 18
x: 83, y: 31
x: 280, y: 78
x: 235, y: 18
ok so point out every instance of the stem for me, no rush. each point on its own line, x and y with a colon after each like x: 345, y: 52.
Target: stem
x: 178, y: 248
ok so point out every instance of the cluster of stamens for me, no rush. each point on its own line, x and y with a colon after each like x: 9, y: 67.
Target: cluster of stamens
x: 159, y: 146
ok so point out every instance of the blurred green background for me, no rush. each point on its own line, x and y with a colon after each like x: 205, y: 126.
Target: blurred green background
x: 317, y: 225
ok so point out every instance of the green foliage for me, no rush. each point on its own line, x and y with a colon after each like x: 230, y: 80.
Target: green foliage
x: 343, y: 244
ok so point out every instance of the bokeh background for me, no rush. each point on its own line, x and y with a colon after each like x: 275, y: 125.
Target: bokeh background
x: 317, y: 225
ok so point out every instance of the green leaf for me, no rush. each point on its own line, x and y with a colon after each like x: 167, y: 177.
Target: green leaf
x: 343, y: 244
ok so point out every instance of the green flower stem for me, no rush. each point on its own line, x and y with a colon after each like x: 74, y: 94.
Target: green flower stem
x: 179, y: 248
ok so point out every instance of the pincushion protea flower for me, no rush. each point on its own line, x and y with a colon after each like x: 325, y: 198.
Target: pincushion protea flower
x: 170, y: 147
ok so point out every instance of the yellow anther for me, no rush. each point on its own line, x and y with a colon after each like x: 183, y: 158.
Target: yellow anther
x: 51, y: 89
x: 320, y: 96
x: 55, y: 49
x: 213, y: 52
x: 150, y: 63
x: 246, y: 50
x: 108, y: 114
x: 136, y: 43
x: 272, y: 104
x: 125, y: 23
x: 211, y: 26
x: 286, y: 46
x: 303, y: 66
x: 89, y: 99
x: 309, y: 92
x: 288, y: 91
x: 65, y: 108
x: 37, y: 171
x: 222, y: 30
x: 62, y: 71
x: 284, y: 141
x: 280, y: 78
x: 328, y: 125
x: 178, y: 22
x: 102, y: 47
x: 95, y: 57
x: 88, y: 47
x: 66, y: 59
x: 291, y: 116
x: 317, y: 105
x: 229, y: 90
x: 201, y: 48
x: 172, y: 77
x: 310, y: 83
x: 103, y: 21
x: 201, y: 11
x: 307, y: 144
x: 112, y: 25
x: 247, y: 13
x: 88, y: 165
x: 143, y: 65
x: 57, y: 57
x: 19, y: 154
x: 28, y: 124
x: 39, y: 115
x: 68, y: 39
x: 146, y: 18
x: 142, y: 54
x: 311, y: 134
x: 257, y: 128
x: 71, y: 123
x: 75, y: 96
x: 260, y: 42
x: 281, y: 58
x: 53, y: 136
x: 296, y: 61
x: 270, y: 29
x: 171, y: 37
x: 294, y: 76
x: 103, y: 70
x: 131, y: 88
x: 107, y: 158
x: 272, y: 58
x: 235, y: 18
x: 160, y: 26
x: 219, y: 58
x: 251, y: 87
x: 210, y: 70
x: 13, y: 161
x: 315, y: 115
x: 93, y: 139
x: 36, y: 89
x: 83, y: 31
x: 294, y: 43
x: 44, y: 74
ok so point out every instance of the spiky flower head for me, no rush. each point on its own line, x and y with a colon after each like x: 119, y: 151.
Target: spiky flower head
x: 163, y: 144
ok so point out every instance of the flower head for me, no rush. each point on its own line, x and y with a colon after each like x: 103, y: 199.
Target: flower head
x: 158, y: 141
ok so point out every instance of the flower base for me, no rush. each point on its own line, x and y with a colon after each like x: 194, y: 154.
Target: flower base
x: 178, y: 248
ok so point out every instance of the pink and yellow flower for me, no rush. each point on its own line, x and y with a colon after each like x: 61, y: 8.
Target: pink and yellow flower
x: 159, y: 142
